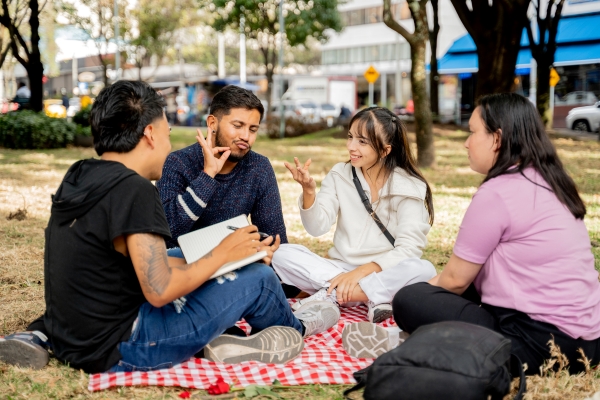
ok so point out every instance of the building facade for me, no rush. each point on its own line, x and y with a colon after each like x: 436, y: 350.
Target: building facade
x: 366, y: 41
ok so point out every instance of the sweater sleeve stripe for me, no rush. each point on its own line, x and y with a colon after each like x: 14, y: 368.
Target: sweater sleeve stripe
x: 196, y: 198
x: 187, y: 210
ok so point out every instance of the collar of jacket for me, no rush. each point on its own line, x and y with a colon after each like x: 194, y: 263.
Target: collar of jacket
x: 402, y: 183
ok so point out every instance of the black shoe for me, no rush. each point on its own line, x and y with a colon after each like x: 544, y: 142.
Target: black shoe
x: 25, y: 349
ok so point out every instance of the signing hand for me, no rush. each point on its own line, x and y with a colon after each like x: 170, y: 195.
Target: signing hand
x: 301, y: 175
x: 212, y: 163
x: 270, y: 248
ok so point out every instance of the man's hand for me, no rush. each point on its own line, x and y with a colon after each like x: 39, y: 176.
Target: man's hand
x: 240, y: 244
x: 270, y: 248
x: 346, y: 283
x: 212, y: 163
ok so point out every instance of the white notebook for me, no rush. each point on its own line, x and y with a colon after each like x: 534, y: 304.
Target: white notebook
x: 197, y: 244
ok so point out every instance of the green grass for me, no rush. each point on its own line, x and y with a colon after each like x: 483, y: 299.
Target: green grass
x: 28, y: 178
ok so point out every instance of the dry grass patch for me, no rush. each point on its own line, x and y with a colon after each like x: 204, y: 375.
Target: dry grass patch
x: 28, y: 178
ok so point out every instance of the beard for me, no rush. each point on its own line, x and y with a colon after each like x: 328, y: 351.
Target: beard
x: 236, y: 155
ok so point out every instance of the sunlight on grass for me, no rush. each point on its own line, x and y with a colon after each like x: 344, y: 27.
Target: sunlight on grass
x: 28, y: 178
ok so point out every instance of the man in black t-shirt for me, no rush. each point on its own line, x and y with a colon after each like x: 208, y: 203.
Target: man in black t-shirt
x: 109, y: 283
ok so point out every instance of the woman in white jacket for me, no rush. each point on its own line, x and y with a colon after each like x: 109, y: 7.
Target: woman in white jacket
x: 363, y: 264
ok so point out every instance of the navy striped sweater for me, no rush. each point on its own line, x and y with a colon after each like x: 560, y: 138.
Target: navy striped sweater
x: 193, y: 200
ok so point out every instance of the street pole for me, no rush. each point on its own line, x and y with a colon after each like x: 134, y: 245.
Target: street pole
x: 117, y: 54
x: 371, y: 94
x: 242, y: 50
x: 281, y: 107
x: 221, y: 37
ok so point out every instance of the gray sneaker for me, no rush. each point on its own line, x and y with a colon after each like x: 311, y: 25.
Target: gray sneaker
x: 273, y: 345
x: 25, y: 349
x: 379, y: 312
x: 367, y: 340
x: 317, y: 316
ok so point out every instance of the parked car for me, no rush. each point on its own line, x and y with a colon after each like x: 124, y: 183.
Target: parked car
x: 576, y: 98
x: 584, y: 118
x: 328, y: 112
x: 306, y: 110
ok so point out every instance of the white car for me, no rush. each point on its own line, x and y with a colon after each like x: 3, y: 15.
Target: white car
x: 584, y: 118
x: 328, y: 112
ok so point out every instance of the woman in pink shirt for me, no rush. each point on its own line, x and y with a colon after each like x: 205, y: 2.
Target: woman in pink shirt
x: 522, y: 263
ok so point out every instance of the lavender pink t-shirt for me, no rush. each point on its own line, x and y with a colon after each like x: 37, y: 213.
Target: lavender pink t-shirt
x: 536, y: 256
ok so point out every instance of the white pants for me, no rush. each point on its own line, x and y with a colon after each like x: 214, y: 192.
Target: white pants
x: 298, y: 266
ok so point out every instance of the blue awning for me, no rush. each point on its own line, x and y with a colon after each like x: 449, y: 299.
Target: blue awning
x: 578, y: 39
x: 245, y: 85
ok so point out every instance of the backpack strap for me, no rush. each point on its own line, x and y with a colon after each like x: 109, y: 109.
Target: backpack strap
x: 365, y: 200
x: 361, y: 381
x: 516, y: 368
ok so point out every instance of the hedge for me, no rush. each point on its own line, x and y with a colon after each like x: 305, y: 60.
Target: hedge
x: 32, y: 130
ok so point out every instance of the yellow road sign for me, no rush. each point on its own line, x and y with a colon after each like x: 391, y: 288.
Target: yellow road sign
x: 371, y: 74
x: 554, y: 77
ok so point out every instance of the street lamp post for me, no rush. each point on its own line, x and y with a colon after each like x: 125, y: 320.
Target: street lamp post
x: 117, y: 53
x: 281, y: 107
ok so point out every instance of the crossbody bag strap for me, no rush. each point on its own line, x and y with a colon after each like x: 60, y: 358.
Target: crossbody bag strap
x: 365, y: 200
x: 516, y: 369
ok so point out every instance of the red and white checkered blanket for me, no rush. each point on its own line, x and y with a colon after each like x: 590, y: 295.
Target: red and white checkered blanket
x: 323, y: 360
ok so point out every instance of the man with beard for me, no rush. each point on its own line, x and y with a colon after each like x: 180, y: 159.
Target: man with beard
x: 220, y: 177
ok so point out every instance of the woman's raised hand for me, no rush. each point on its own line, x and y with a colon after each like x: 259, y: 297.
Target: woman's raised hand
x: 302, y: 176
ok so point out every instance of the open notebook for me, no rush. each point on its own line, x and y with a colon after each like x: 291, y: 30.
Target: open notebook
x: 197, y: 244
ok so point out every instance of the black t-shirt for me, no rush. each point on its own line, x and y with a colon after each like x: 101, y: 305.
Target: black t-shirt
x: 92, y: 291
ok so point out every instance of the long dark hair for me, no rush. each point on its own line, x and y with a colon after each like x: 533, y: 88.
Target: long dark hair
x: 384, y: 128
x: 524, y: 143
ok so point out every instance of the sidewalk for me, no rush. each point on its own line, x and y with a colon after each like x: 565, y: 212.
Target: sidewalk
x: 570, y: 134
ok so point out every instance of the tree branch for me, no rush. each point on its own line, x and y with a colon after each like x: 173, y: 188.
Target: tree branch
x: 389, y: 20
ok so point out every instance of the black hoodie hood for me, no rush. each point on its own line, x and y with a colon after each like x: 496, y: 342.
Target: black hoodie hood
x: 85, y: 184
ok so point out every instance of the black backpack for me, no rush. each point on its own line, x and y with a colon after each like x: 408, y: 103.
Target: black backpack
x: 446, y: 360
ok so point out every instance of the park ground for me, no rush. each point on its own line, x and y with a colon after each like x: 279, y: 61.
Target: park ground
x: 28, y: 178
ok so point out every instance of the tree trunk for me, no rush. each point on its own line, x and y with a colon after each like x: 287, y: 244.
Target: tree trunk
x: 542, y: 97
x: 35, y: 68
x: 434, y: 77
x: 423, y: 123
x: 496, y: 28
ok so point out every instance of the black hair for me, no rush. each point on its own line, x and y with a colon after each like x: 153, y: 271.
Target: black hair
x: 21, y: 84
x: 120, y: 114
x: 384, y: 128
x: 524, y: 143
x: 232, y: 96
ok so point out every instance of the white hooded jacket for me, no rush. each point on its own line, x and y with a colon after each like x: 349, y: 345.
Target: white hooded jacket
x: 358, y: 240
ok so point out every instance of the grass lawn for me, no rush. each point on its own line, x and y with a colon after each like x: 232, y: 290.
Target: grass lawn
x: 28, y: 178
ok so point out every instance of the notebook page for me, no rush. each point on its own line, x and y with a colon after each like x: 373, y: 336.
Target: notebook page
x: 197, y: 244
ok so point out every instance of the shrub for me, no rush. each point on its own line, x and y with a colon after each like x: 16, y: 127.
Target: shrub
x: 293, y: 127
x: 32, y: 130
x: 82, y: 117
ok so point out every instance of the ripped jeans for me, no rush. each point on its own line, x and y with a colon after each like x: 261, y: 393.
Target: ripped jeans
x: 163, y: 337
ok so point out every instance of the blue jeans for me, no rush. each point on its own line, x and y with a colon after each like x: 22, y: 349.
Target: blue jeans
x: 162, y: 337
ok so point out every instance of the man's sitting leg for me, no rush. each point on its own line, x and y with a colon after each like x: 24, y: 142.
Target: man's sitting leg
x: 162, y: 337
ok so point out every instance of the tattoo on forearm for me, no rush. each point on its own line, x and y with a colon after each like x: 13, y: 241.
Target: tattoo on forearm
x: 155, y: 265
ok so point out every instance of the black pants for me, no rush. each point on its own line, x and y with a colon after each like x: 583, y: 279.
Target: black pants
x: 422, y: 304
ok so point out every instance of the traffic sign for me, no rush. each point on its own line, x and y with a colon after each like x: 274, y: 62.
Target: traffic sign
x: 554, y: 77
x: 371, y: 74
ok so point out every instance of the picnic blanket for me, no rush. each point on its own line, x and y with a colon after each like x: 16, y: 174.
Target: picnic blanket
x: 323, y: 360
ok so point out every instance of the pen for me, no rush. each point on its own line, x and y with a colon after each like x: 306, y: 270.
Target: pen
x: 263, y: 236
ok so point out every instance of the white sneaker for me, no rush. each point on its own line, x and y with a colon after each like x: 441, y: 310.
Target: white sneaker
x: 321, y: 295
x: 379, y: 312
x: 317, y: 316
x: 367, y: 340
